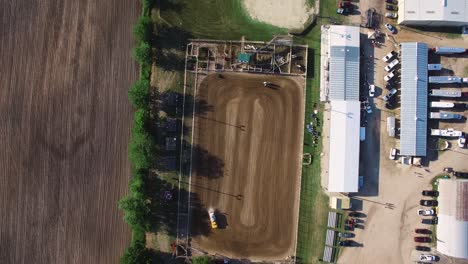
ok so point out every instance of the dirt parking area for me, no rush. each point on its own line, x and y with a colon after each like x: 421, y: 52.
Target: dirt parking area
x: 248, y: 141
x: 392, y: 191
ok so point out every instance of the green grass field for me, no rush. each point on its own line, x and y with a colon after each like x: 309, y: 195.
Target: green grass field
x: 227, y: 19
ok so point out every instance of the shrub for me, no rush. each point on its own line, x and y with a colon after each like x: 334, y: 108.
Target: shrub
x: 139, y: 93
x: 142, y: 53
x: 201, y: 260
x: 143, y: 30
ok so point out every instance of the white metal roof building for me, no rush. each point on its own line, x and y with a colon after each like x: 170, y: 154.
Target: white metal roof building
x: 343, y: 94
x: 343, y: 170
x: 452, y: 228
x: 413, y: 133
x: 433, y: 12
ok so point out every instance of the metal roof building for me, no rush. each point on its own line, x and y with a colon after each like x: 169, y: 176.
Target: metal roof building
x: 452, y: 228
x: 413, y: 133
x: 433, y: 12
x: 344, y: 63
x: 343, y: 94
x: 343, y: 169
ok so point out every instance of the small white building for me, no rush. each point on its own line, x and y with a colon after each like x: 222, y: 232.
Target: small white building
x: 435, y: 13
x: 452, y: 228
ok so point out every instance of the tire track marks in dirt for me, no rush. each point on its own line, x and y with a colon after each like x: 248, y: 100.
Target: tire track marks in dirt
x: 66, y: 69
x: 256, y: 134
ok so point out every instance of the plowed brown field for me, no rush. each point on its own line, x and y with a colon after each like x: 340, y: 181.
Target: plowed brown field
x: 249, y: 166
x: 65, y: 69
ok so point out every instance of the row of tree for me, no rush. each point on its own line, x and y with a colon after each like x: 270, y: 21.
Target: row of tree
x: 136, y: 205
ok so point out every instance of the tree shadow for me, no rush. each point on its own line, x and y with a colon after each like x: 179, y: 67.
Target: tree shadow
x: 206, y: 164
x: 164, y: 5
x: 170, y: 46
x: 170, y: 208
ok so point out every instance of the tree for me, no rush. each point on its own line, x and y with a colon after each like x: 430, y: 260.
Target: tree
x: 139, y: 93
x: 143, y: 29
x: 137, y: 253
x: 147, y: 4
x: 201, y: 260
x: 142, y: 53
x: 136, y: 212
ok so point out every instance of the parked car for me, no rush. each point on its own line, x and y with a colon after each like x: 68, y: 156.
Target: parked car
x: 371, y: 90
x: 393, y: 154
x: 214, y: 224
x: 393, y: 83
x: 426, y: 212
x: 389, y: 76
x: 390, y: 55
x: 395, y: 2
x: 392, y: 65
x: 368, y: 109
x: 430, y: 193
x: 428, y: 202
x: 426, y: 258
x: 391, y: 15
x: 390, y: 28
x: 422, y: 231
x: 430, y: 221
x: 423, y: 248
x: 343, y: 11
x: 343, y: 4
x: 354, y: 214
x: 460, y: 174
x: 391, y: 7
x: 345, y: 235
x: 390, y: 94
x: 345, y: 243
x: 422, y: 239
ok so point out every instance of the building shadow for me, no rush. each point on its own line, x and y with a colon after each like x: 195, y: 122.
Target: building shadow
x: 369, y: 154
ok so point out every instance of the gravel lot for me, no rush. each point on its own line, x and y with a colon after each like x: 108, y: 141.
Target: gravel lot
x: 391, y: 191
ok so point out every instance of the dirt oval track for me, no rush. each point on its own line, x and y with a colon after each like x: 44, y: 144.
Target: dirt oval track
x: 65, y: 69
x: 247, y: 164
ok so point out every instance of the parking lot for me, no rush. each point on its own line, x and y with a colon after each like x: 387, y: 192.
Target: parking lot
x: 391, y: 193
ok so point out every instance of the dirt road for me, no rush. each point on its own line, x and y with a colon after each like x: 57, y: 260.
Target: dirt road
x: 248, y: 164
x: 65, y: 123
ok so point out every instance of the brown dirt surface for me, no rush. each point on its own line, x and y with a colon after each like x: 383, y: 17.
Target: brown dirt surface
x: 65, y: 123
x: 247, y: 156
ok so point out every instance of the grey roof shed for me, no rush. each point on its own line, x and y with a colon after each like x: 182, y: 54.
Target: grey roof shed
x: 413, y: 134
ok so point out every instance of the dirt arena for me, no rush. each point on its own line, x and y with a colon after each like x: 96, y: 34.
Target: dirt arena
x: 248, y: 141
x: 65, y: 123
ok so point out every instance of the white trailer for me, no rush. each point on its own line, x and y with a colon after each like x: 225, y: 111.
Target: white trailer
x: 391, y: 126
x: 445, y: 115
x: 449, y: 132
x: 445, y: 93
x: 434, y: 67
x: 449, y: 50
x: 442, y: 104
x: 444, y: 79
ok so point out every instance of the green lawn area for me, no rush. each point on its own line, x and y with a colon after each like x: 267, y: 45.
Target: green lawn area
x: 211, y: 19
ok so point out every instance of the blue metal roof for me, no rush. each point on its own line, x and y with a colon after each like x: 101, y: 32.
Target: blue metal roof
x: 413, y: 134
x: 344, y: 73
